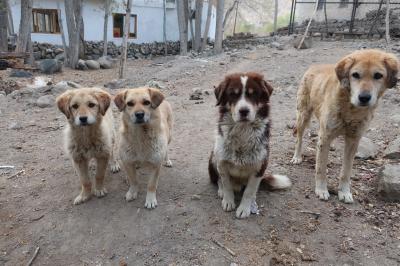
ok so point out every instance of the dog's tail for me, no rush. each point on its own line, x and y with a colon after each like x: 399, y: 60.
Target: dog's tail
x: 274, y: 182
x: 212, y: 170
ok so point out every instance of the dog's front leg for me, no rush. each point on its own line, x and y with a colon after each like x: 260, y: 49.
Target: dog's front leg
x: 249, y: 195
x: 350, y: 149
x: 100, y: 190
x: 151, y: 199
x: 321, y: 184
x: 82, y: 167
x: 130, y: 168
x: 228, y: 197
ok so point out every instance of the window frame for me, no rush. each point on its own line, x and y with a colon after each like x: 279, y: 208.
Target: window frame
x: 45, y: 11
x: 135, y: 25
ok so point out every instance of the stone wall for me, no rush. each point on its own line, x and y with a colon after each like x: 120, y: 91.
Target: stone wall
x: 361, y: 27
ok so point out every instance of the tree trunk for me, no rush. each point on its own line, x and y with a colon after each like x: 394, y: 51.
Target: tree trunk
x: 62, y: 34
x: 165, y: 27
x: 24, y: 26
x: 228, y: 12
x: 219, y: 27
x: 199, y: 14
x: 207, y: 29
x: 387, y: 21
x: 276, y: 16
x: 125, y: 39
x: 82, y: 44
x: 10, y: 19
x: 3, y: 26
x: 105, y: 27
x: 190, y: 15
x: 182, y: 23
x: 73, y: 14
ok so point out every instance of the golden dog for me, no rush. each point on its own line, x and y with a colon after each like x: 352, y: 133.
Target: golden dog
x: 88, y: 135
x: 144, y: 137
x: 343, y: 98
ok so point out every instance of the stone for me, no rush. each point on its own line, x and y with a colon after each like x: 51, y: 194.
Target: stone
x: 156, y: 84
x: 15, y: 126
x: 277, y: 45
x: 81, y: 65
x: 105, y: 62
x: 58, y: 51
x: 196, y: 94
x: 16, y: 73
x: 45, y: 101
x: 50, y: 66
x: 115, y: 84
x: 60, y: 87
x: 392, y: 150
x: 92, y: 64
x: 389, y: 183
x: 73, y: 84
x: 306, y: 44
x: 37, y: 55
x: 60, y: 57
x: 367, y: 149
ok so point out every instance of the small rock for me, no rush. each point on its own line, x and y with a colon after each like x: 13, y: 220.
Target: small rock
x: 16, y: 73
x: 195, y: 197
x: 92, y: 64
x: 277, y: 45
x: 156, y: 84
x: 60, y: 87
x: 392, y: 151
x: 45, y: 101
x: 15, y: 126
x: 50, y: 66
x: 115, y: 84
x: 366, y: 149
x: 389, y: 183
x: 73, y: 84
x: 58, y: 51
x: 196, y: 94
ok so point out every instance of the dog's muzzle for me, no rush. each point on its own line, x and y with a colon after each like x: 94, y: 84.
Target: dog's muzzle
x: 364, y: 98
x: 139, y: 117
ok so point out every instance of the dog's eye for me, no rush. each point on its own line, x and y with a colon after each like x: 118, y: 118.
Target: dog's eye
x: 146, y: 102
x: 75, y: 106
x: 91, y: 105
x: 130, y: 104
x: 378, y: 76
x: 356, y: 75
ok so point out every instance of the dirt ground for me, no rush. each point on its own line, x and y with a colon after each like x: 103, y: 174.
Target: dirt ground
x: 36, y: 207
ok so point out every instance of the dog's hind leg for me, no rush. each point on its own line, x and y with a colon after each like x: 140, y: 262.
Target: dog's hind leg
x: 344, y: 190
x: 115, y: 167
x: 100, y: 190
x: 82, y: 167
x: 151, y: 199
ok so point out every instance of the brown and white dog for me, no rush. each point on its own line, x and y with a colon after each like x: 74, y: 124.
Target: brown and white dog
x: 144, y: 137
x: 241, y: 149
x: 89, y: 135
x: 343, y: 97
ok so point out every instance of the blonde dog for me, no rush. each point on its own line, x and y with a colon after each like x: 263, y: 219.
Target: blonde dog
x: 144, y: 137
x: 89, y: 135
x: 343, y: 98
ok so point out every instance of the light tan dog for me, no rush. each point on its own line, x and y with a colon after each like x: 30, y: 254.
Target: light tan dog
x: 89, y: 135
x: 144, y: 137
x: 343, y: 98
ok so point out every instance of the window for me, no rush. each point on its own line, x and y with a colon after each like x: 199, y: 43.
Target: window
x: 321, y: 4
x: 344, y: 3
x: 118, y: 26
x: 45, y: 21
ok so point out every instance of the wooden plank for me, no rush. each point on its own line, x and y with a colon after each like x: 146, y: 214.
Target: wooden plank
x: 13, y: 55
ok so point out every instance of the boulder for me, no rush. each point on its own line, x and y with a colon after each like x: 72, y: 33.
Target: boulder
x: 115, y: 84
x: 155, y: 84
x: 277, y: 45
x: 392, y: 150
x: 106, y: 62
x: 81, y: 65
x: 16, y: 73
x: 306, y: 44
x: 45, y: 101
x: 50, y: 66
x: 60, y: 57
x: 91, y: 64
x: 389, y: 183
x: 60, y: 87
x: 366, y: 149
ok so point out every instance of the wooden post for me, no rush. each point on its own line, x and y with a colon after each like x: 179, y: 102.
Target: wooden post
x: 199, y: 14
x: 10, y: 19
x: 219, y: 31
x: 125, y: 39
x: 165, y: 27
x: 207, y: 28
x: 276, y: 17
x: 387, y: 22
x: 182, y: 23
x: 105, y: 26
x: 3, y: 26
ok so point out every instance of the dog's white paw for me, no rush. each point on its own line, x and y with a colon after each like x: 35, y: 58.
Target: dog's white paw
x: 228, y: 204
x: 168, y: 163
x: 115, y: 168
x: 322, y: 194
x: 296, y: 159
x: 131, y: 194
x: 81, y: 198
x: 220, y: 193
x: 345, y: 196
x: 244, y: 210
x: 100, y: 192
x: 151, y: 200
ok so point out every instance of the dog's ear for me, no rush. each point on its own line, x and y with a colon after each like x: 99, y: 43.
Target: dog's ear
x: 63, y: 103
x: 267, y: 88
x: 342, y: 70
x: 119, y: 100
x: 104, y: 100
x: 219, y: 92
x: 156, y: 97
x: 392, y: 68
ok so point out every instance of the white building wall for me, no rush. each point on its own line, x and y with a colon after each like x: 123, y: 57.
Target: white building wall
x: 149, y: 21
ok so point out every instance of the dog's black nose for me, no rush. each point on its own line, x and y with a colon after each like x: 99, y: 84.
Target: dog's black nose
x: 244, y: 112
x: 83, y: 119
x: 139, y: 115
x: 364, y: 97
